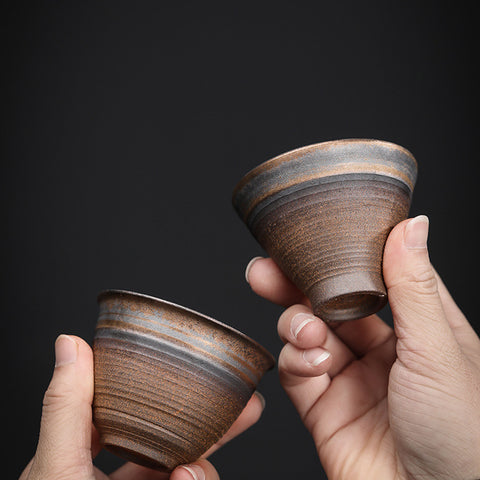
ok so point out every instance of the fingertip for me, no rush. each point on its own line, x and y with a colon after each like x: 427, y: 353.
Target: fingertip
x: 189, y: 472
x: 249, y: 267
x: 406, y: 243
x: 296, y: 362
x: 411, y: 233
x: 80, y: 341
x: 416, y: 233
x: 268, y: 281
x: 261, y: 398
x: 298, y: 325
x: 199, y: 470
x: 395, y: 237
x: 256, y: 270
x: 81, y: 346
x: 307, y: 330
x: 316, y: 357
x: 75, y: 357
x: 66, y: 350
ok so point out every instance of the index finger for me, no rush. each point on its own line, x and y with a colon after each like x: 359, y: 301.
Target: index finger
x: 268, y: 281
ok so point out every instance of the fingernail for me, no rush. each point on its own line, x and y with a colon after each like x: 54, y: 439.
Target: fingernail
x: 315, y: 356
x: 249, y: 266
x: 416, y: 232
x: 195, y: 471
x: 261, y: 398
x: 299, y: 321
x: 66, y: 350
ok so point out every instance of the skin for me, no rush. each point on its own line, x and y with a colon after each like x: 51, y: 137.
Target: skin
x: 384, y: 403
x: 68, y: 441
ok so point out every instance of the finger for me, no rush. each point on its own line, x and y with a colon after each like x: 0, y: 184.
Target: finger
x: 296, y: 362
x: 363, y: 335
x: 312, y: 332
x: 200, y: 470
x: 249, y: 416
x: 299, y: 326
x: 65, y: 430
x: 304, y: 385
x: 268, y: 281
x: 423, y: 332
x: 130, y: 471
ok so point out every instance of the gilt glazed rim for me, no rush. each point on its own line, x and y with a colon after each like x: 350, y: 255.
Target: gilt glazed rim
x: 158, y: 301
x: 324, y: 162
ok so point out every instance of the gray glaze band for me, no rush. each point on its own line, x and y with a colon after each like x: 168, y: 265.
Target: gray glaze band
x: 177, y: 355
x: 161, y: 326
x: 313, y: 187
x: 318, y: 160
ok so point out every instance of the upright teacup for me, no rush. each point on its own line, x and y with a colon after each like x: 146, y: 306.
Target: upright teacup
x: 169, y: 381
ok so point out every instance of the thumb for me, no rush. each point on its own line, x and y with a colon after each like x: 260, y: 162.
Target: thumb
x: 64, y: 446
x: 420, y: 323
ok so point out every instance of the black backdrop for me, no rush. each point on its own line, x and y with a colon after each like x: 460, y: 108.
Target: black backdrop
x: 125, y: 126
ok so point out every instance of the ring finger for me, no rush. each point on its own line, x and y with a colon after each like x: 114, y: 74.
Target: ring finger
x: 300, y: 328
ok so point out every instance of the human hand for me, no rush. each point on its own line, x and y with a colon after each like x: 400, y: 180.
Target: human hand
x: 381, y: 403
x: 68, y: 440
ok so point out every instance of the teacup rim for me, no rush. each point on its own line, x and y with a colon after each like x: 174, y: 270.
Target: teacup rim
x: 129, y: 293
x: 290, y: 155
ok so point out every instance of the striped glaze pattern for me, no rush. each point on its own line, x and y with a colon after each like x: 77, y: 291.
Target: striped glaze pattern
x: 323, y: 213
x: 169, y: 381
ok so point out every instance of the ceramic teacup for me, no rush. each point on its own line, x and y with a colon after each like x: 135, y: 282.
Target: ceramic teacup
x: 169, y: 381
x: 323, y: 213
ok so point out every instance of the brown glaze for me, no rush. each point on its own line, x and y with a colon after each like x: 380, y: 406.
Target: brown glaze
x: 169, y: 382
x: 323, y: 213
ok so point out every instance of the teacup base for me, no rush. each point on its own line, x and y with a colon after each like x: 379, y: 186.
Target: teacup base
x: 348, y: 297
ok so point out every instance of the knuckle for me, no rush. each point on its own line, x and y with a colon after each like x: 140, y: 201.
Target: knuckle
x: 57, y: 397
x: 423, y: 277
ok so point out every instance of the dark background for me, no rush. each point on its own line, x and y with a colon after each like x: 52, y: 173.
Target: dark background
x: 125, y: 126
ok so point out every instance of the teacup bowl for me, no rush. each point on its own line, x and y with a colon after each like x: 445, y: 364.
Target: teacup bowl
x: 323, y: 214
x: 169, y: 381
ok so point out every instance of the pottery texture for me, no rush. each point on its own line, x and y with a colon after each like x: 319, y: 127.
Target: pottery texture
x: 323, y: 213
x: 169, y: 382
